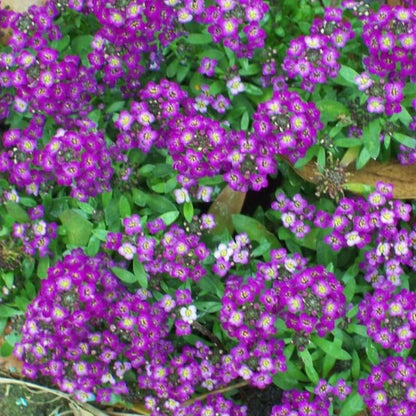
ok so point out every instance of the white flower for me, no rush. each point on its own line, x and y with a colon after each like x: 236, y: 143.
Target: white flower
x: 223, y: 251
x: 188, y: 314
x: 127, y: 250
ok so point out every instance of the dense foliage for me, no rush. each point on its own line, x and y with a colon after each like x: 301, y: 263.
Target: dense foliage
x: 131, y: 278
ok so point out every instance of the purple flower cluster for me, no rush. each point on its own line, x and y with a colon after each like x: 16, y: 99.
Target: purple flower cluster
x: 311, y: 300
x: 213, y: 405
x: 77, y: 158
x: 374, y: 222
x: 84, y: 330
x: 126, y: 44
x: 229, y: 22
x: 202, y: 147
x: 236, y: 251
x: 295, y: 213
x: 286, y: 126
x: 175, y: 252
x: 296, y: 403
x: 390, y: 389
x: 314, y: 58
x: 390, y: 37
x: 382, y: 97
x: 390, y: 317
x: 33, y: 77
x: 247, y: 319
x: 36, y: 235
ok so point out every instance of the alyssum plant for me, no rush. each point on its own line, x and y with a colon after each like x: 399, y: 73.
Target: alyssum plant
x: 125, y: 124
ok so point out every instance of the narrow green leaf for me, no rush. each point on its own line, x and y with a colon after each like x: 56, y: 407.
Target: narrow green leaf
x: 124, y: 275
x: 328, y: 364
x: 188, y: 211
x: 371, y: 352
x: 244, y: 121
x: 124, y: 207
x: 172, y: 69
x: 198, y: 39
x: 42, y: 269
x: 331, y: 348
x: 363, y: 158
x: 405, y: 140
x: 253, y: 89
x: 355, y: 367
x: 309, y: 368
x: 8, y: 312
x: 140, y: 273
x: 371, y: 138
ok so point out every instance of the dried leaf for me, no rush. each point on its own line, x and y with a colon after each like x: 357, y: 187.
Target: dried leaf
x: 227, y: 203
x: 402, y: 177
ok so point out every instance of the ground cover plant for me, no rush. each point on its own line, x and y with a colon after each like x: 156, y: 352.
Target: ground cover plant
x: 132, y: 271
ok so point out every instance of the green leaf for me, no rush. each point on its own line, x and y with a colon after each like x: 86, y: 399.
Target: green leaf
x: 188, y: 211
x: 78, y: 229
x: 81, y: 45
x: 212, y: 54
x: 310, y: 154
x: 346, y: 76
x: 157, y: 203
x: 305, y: 356
x: 331, y: 110
x: 331, y: 348
x: 328, y: 364
x: 245, y: 121
x: 95, y: 115
x: 85, y: 207
x: 140, y: 273
x: 124, y: 207
x: 254, y: 229
x: 93, y: 246
x: 355, y: 367
x: 8, y: 278
x: 16, y: 211
x: 172, y: 68
x: 124, y: 275
x: 182, y: 73
x: 353, y: 405
x: 169, y: 217
x: 405, y: 140
x: 290, y: 378
x: 371, y: 138
x: 253, y: 89
x: 42, y: 269
x: 8, y: 312
x: 198, y: 39
x: 348, y: 142
x: 251, y: 69
x: 349, y: 281
x: 60, y: 44
x: 112, y: 215
x: 115, y: 107
x: 321, y: 159
x: 362, y: 159
x: 371, y: 352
